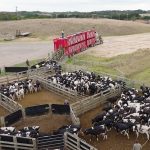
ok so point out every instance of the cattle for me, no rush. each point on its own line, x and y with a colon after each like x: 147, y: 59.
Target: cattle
x: 32, y: 132
x: 74, y: 129
x: 96, y: 131
x: 84, y: 83
x: 17, y: 89
x: 131, y: 113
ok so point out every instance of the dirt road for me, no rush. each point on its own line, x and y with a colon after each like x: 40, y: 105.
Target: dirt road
x: 116, y: 45
x: 16, y: 52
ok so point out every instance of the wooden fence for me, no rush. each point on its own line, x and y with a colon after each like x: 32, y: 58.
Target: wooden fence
x: 9, y: 104
x: 75, y: 120
x: 24, y: 74
x: 16, y: 143
x: 73, y: 142
x: 67, y: 141
x: 50, y: 142
x: 58, y: 89
x: 36, y: 111
x: 94, y: 101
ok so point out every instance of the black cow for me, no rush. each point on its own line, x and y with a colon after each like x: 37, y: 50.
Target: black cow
x: 96, y: 131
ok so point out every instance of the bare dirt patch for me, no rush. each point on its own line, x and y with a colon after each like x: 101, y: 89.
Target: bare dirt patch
x: 47, y: 123
x: 3, y: 112
x: 42, y: 97
x: 117, y: 45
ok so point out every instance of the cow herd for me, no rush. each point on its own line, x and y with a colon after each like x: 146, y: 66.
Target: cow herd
x: 32, y: 132
x: 84, y: 83
x: 49, y: 64
x: 129, y: 114
x: 17, y: 89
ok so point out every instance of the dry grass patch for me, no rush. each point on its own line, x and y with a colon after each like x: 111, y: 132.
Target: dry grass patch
x: 44, y: 28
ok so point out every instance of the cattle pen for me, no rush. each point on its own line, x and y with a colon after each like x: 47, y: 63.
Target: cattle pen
x: 79, y: 105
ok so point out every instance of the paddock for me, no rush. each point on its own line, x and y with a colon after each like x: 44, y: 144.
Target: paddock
x: 42, y: 97
x: 48, y: 122
x: 115, y: 141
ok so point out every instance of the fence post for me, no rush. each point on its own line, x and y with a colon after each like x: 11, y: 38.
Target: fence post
x: 2, y: 122
x: 34, y: 144
x: 23, y: 113
x: 50, y: 108
x: 65, y: 140
x: 17, y: 76
x: 7, y: 78
x: 15, y: 142
x: 78, y: 142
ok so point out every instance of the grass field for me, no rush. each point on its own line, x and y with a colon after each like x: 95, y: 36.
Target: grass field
x: 49, y: 28
x: 135, y: 66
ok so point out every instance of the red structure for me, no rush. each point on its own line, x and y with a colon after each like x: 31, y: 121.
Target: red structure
x: 75, y: 43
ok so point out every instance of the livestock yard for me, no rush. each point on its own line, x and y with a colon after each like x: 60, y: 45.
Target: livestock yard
x: 90, y: 92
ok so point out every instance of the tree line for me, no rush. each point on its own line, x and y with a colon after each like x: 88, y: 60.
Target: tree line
x: 114, y: 14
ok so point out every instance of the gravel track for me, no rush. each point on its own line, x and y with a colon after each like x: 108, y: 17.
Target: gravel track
x: 12, y: 53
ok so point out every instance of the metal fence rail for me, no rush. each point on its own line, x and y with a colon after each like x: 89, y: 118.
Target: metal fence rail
x: 24, y: 74
x: 58, y: 89
x: 129, y: 83
x: 75, y: 120
x: 73, y: 142
x: 16, y: 143
x: 50, y: 142
x: 94, y: 101
x: 9, y: 104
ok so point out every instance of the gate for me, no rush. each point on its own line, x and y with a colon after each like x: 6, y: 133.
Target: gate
x: 9, y: 104
x: 8, y: 142
x: 73, y: 142
x: 50, y: 142
x: 58, y: 89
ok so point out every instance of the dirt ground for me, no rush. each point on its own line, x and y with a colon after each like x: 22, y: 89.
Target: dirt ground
x: 42, y: 97
x: 117, y: 45
x: 3, y: 112
x: 47, y: 123
x: 115, y: 141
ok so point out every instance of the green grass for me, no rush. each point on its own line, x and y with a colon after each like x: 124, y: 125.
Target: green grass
x: 23, y: 64
x: 32, y: 62
x: 135, y: 66
x: 101, y: 69
x: 142, y: 76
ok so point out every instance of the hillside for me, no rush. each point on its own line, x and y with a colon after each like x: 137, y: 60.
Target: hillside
x: 44, y: 28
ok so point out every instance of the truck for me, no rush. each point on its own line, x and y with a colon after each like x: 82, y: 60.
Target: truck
x: 76, y: 43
